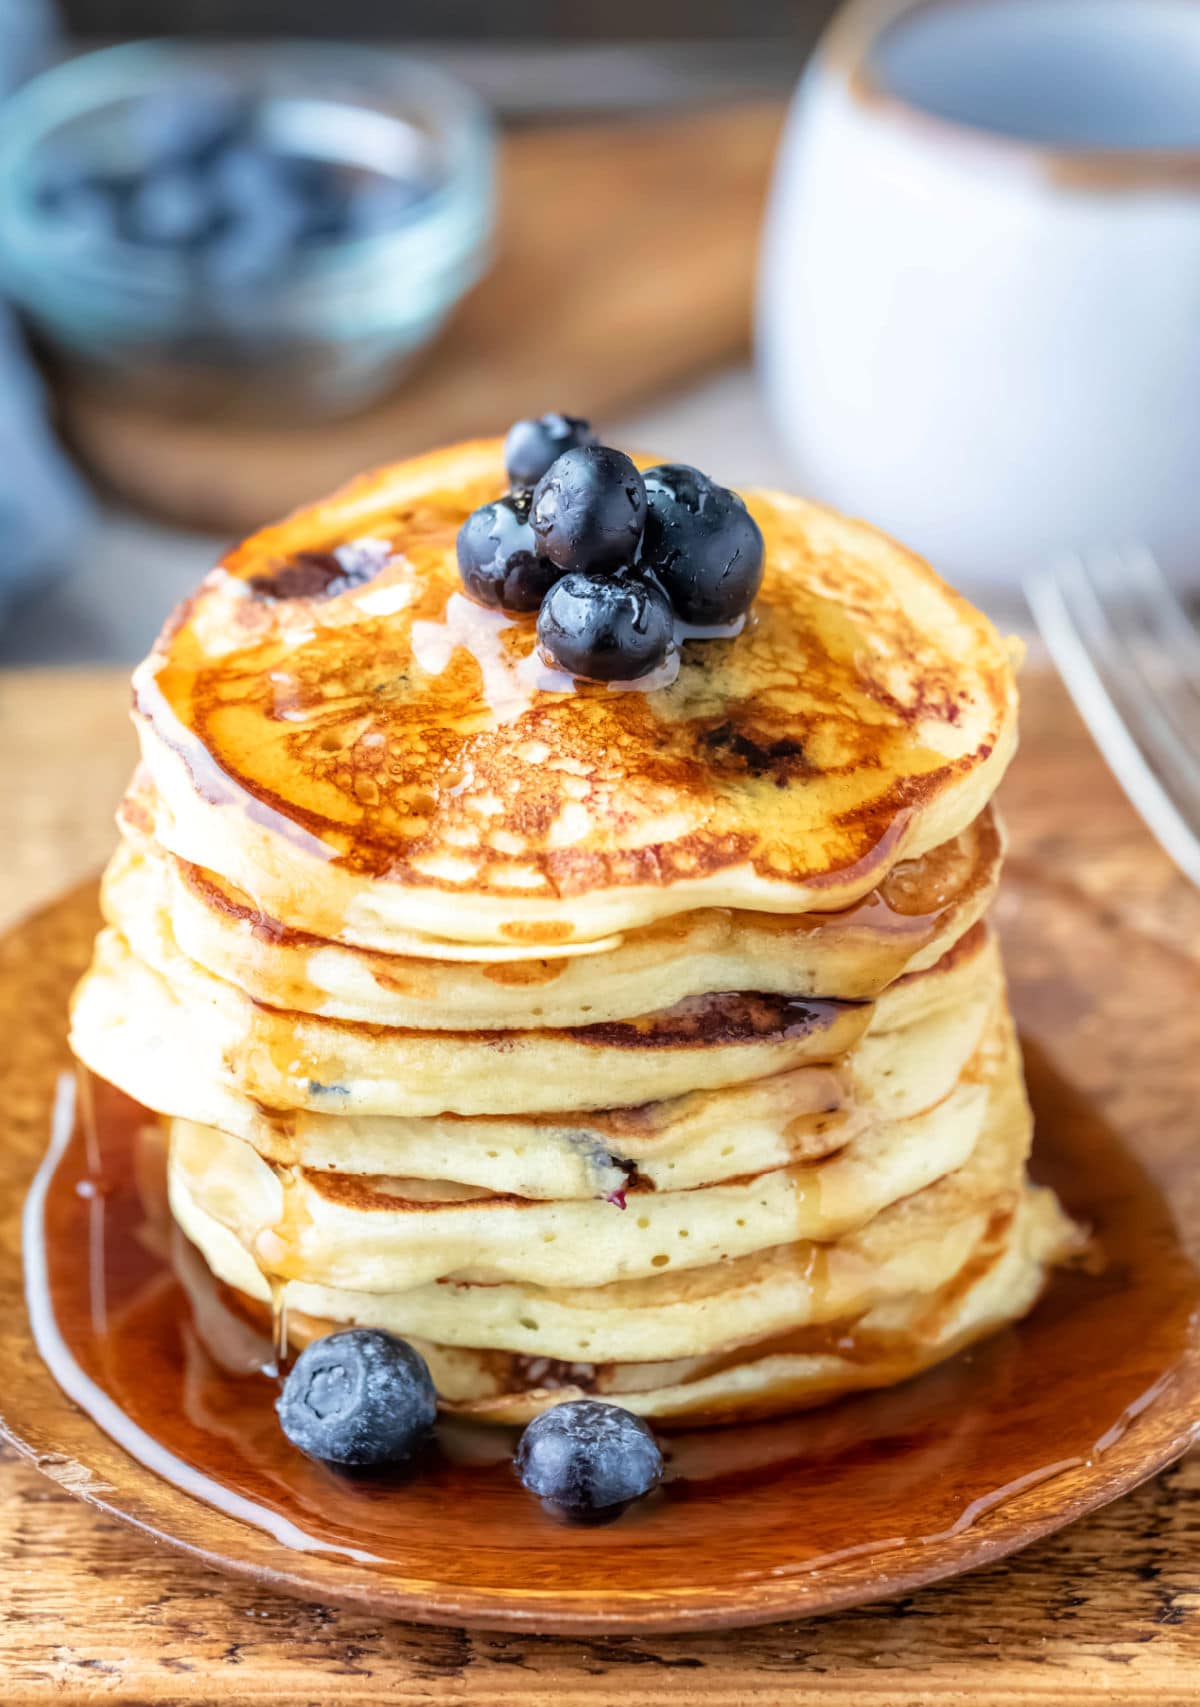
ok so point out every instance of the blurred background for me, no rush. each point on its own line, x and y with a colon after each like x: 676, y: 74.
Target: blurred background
x: 607, y: 171
x: 242, y: 258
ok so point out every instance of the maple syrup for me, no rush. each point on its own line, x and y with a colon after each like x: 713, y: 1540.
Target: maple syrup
x: 396, y: 737
x: 136, y: 1330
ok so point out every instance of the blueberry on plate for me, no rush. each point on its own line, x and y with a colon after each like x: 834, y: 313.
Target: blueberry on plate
x: 702, y: 544
x: 606, y: 628
x: 586, y: 1457
x: 531, y: 446
x: 498, y: 557
x: 589, y: 509
x: 356, y: 1397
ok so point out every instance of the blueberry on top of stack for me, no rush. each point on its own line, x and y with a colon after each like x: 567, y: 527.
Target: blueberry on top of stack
x: 613, y: 560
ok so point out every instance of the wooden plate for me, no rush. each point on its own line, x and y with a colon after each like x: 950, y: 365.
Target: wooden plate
x: 1099, y: 1389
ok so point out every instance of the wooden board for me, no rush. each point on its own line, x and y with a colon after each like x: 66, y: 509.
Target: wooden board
x: 625, y: 266
x: 1109, y: 1610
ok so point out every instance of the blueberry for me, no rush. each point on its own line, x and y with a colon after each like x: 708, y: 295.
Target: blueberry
x: 531, y: 446
x: 589, y: 509
x: 245, y: 176
x: 606, y: 628
x: 270, y: 214
x: 702, y: 544
x: 86, y: 210
x: 498, y: 557
x: 358, y: 1396
x: 322, y: 192
x: 256, y: 190
x: 171, y: 207
x: 252, y: 249
x: 328, y: 223
x: 189, y: 123
x: 584, y: 1457
x: 322, y: 575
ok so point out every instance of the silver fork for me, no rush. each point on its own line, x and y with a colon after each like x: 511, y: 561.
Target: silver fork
x: 1129, y: 654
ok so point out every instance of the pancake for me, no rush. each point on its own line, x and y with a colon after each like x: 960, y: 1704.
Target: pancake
x: 812, y: 1319
x: 162, y: 1029
x: 367, y: 1233
x: 999, y: 1284
x: 647, y: 1044
x: 697, y: 1313
x: 910, y: 1248
x: 685, y: 1141
x: 970, y: 1278
x: 370, y: 761
x: 387, y: 1234
x: 737, y: 1299
x: 919, y: 911
x: 288, y: 1060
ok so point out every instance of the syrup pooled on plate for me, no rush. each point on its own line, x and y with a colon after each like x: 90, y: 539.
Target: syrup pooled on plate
x: 135, y: 1328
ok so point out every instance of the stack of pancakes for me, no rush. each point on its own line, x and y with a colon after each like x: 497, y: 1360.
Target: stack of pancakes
x: 643, y: 1044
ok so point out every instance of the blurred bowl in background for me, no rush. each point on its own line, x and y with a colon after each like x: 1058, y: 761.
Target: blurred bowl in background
x: 267, y: 229
x: 980, y: 293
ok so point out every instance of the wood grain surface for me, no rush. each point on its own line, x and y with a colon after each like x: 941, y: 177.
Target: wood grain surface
x: 88, y: 1612
x: 625, y: 266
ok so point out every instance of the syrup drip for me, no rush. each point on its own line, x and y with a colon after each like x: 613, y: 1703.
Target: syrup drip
x: 510, y: 681
x: 210, y: 780
x: 279, y: 1321
x: 480, y: 632
x: 136, y: 1331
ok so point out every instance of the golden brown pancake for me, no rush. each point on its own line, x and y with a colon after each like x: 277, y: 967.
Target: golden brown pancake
x: 915, y: 916
x: 165, y: 1030
x: 369, y: 759
x: 798, y: 1322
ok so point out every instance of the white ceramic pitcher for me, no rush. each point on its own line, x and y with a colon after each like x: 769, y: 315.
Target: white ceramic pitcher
x: 980, y: 296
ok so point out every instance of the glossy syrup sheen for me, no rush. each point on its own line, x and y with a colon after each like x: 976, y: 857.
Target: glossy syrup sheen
x: 138, y: 1315
x: 401, y: 727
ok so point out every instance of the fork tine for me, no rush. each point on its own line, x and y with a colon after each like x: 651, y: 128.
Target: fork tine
x: 1170, y: 623
x: 1139, y: 692
x: 1139, y: 580
x: 1055, y: 614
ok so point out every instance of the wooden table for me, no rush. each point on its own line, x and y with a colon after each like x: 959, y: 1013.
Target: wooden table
x: 90, y: 1612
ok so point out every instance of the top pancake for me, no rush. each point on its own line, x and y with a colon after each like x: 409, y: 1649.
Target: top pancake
x: 376, y: 762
